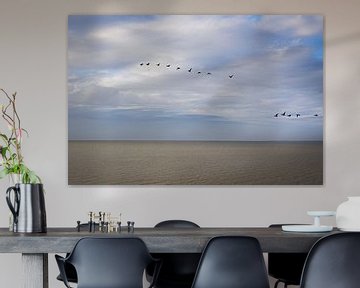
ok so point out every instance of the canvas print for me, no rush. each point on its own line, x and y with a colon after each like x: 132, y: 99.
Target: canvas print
x: 195, y: 100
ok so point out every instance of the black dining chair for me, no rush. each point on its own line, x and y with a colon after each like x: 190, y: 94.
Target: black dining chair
x: 232, y: 262
x: 108, y: 263
x: 333, y: 262
x: 178, y: 269
x: 286, y: 267
x: 70, y: 271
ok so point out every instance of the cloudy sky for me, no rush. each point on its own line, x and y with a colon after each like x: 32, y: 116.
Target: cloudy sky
x: 276, y: 62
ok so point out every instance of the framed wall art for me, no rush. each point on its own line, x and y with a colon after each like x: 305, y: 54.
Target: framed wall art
x: 195, y: 100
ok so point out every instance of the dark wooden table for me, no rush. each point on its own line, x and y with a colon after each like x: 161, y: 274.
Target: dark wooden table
x: 35, y: 247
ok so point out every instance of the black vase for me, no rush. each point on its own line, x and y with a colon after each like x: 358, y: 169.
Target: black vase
x: 28, y: 208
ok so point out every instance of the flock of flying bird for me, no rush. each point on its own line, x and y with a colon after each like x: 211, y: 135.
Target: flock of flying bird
x: 284, y: 114
x: 179, y: 68
x: 297, y: 115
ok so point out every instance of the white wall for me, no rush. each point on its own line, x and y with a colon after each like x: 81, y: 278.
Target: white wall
x: 33, y: 45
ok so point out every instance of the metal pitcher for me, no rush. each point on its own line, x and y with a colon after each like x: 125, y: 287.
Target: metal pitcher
x: 27, y: 207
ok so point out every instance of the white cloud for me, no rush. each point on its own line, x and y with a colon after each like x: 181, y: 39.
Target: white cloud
x: 297, y: 25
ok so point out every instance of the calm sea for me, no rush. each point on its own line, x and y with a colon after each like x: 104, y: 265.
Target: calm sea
x: 195, y: 163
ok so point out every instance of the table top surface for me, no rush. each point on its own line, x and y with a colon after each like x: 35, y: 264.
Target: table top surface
x: 158, y: 240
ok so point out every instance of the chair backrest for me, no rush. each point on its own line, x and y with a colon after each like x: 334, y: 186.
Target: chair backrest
x: 110, y: 262
x: 333, y: 262
x: 232, y: 262
x: 178, y: 269
x: 176, y: 224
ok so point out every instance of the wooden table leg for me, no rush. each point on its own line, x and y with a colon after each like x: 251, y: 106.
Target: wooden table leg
x: 35, y: 270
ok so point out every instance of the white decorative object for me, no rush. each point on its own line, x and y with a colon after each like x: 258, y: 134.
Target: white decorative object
x: 316, y: 227
x: 348, y: 214
x: 306, y: 228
